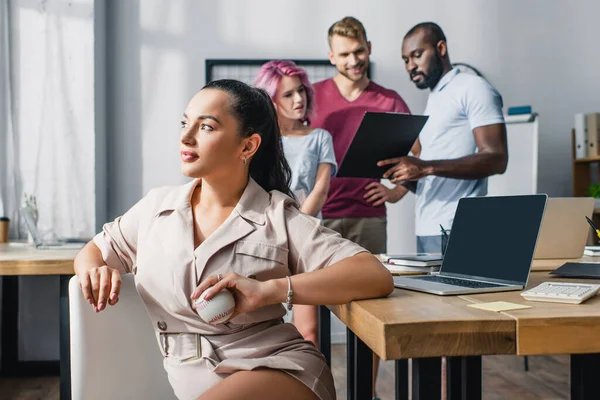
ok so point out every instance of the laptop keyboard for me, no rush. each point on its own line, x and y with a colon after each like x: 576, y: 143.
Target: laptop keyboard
x: 457, y: 282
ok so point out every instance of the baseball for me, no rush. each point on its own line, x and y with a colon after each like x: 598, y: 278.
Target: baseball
x: 216, y: 310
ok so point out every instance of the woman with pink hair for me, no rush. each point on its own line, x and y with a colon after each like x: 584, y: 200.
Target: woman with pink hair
x: 308, y: 151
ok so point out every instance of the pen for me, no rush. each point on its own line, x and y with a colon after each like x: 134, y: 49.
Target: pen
x: 593, y: 226
x: 444, y: 231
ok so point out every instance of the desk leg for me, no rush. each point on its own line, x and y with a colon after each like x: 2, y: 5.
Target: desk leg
x: 350, y: 362
x: 10, y: 325
x: 463, y: 378
x: 10, y: 364
x: 426, y: 378
x: 363, y: 370
x: 584, y: 376
x: 401, y: 379
x: 65, y: 340
x: 325, y: 333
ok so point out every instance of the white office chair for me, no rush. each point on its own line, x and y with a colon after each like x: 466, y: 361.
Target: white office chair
x: 114, y: 353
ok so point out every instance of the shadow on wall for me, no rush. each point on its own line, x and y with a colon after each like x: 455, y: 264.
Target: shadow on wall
x: 124, y: 120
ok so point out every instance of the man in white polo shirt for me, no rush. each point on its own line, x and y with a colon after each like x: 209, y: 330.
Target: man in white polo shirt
x: 462, y: 143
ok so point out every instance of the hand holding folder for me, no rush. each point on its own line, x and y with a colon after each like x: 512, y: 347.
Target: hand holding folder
x: 380, y: 136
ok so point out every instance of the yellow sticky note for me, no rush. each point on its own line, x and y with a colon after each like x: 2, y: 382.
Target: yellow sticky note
x: 499, y: 306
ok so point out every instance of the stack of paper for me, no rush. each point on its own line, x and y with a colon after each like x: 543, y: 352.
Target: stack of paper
x: 593, y: 251
x: 416, y: 262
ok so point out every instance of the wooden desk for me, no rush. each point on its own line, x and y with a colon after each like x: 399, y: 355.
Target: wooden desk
x: 23, y: 260
x: 423, y: 327
x: 410, y: 324
x: 551, y: 328
x: 555, y: 328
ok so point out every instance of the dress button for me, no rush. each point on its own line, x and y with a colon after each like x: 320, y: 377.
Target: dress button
x: 162, y: 325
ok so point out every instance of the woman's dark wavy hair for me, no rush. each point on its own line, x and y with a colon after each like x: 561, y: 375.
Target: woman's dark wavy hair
x: 255, y: 113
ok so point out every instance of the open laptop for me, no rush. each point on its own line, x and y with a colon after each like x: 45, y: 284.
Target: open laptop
x: 490, y: 249
x: 564, y: 230
x: 44, y: 245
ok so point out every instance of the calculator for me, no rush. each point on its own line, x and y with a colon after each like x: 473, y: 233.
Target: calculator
x: 561, y: 292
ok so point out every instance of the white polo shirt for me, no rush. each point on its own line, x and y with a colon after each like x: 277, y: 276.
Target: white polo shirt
x: 458, y: 104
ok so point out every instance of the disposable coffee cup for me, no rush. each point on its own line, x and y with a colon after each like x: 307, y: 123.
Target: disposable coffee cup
x: 4, y: 225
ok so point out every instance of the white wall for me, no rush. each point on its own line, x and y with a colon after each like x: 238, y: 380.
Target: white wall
x: 125, y: 121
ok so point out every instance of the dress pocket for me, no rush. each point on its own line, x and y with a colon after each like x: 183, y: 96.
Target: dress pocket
x: 261, y: 261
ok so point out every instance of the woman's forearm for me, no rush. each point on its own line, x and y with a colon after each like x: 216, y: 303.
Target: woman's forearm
x: 317, y: 197
x: 358, y: 277
x: 88, y: 257
x: 314, y: 202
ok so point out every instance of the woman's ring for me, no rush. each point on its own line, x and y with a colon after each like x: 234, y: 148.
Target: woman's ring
x: 219, y: 277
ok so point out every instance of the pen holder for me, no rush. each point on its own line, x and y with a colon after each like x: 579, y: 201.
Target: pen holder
x: 445, y: 239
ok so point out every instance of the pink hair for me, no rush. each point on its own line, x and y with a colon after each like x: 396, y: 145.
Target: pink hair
x: 269, y: 77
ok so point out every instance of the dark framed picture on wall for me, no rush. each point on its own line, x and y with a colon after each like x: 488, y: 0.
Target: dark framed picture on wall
x: 245, y: 70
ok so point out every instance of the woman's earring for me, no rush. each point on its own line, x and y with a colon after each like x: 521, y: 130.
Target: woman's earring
x: 244, y: 160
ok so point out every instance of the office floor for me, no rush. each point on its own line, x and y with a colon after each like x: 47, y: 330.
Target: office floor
x: 503, y: 378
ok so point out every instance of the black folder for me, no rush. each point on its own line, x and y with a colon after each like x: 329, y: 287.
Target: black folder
x: 381, y: 135
x: 578, y: 270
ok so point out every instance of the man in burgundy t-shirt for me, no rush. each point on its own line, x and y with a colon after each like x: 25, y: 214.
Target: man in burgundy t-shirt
x: 355, y: 207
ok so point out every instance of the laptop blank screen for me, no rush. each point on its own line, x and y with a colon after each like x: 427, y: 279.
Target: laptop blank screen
x: 494, y: 237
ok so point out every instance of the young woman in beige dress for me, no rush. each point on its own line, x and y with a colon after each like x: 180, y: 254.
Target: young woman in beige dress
x: 234, y: 227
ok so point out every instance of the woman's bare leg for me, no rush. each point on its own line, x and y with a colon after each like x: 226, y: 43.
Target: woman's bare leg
x: 306, y: 320
x: 259, y: 385
x: 375, y: 371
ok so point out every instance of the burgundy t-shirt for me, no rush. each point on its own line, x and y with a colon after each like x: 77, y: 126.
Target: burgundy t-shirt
x: 341, y: 118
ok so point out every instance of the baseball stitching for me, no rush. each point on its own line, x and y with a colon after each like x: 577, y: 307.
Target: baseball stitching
x: 202, y: 305
x: 221, y: 315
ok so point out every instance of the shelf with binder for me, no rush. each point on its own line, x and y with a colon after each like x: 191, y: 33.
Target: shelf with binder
x: 586, y: 137
x: 585, y: 171
x: 587, y: 160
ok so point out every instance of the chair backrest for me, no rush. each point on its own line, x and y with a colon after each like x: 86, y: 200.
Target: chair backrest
x: 114, y: 353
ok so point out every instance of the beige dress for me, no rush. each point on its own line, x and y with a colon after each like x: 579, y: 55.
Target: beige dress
x: 265, y: 237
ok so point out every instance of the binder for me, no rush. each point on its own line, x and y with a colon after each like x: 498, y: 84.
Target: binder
x: 581, y: 136
x: 578, y: 270
x: 380, y: 136
x: 593, y: 129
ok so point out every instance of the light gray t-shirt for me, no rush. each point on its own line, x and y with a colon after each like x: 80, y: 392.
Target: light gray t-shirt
x: 458, y: 104
x: 304, y: 154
